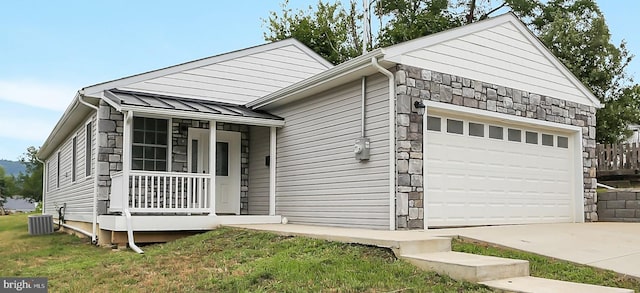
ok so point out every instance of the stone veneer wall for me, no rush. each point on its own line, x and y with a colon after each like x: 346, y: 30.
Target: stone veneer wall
x: 413, y: 84
x: 619, y: 206
x: 110, y: 129
x: 110, y: 141
x: 180, y: 128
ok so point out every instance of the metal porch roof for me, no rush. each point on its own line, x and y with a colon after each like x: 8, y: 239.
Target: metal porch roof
x: 147, y: 100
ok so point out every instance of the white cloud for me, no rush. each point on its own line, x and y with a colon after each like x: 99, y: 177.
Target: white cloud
x: 37, y: 94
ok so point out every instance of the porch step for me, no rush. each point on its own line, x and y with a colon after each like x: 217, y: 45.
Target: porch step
x: 539, y: 285
x: 469, y: 267
x: 413, y: 247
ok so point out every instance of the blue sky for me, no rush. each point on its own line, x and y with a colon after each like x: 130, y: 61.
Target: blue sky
x: 50, y: 49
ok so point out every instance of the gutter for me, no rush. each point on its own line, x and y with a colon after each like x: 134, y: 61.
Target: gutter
x: 392, y: 142
x: 75, y: 229
x: 94, y: 236
x: 44, y: 181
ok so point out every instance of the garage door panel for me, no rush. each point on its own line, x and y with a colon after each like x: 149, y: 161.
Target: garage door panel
x: 485, y: 181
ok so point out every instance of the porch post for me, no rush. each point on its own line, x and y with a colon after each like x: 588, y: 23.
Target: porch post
x: 272, y: 172
x: 212, y: 167
x: 126, y: 157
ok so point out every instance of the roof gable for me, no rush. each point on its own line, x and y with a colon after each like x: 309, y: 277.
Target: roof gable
x: 500, y: 50
x: 225, y: 78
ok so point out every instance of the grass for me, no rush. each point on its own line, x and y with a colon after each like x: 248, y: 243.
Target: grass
x: 545, y: 267
x: 223, y: 260
x: 236, y: 260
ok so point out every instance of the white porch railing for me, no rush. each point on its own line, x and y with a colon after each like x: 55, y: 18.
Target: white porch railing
x: 163, y: 192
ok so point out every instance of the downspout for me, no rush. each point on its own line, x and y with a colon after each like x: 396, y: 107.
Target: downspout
x: 44, y: 181
x: 363, y: 106
x: 87, y: 233
x: 126, y: 166
x: 94, y: 224
x: 392, y: 142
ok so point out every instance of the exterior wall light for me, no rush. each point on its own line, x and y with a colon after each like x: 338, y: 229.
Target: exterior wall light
x: 419, y: 107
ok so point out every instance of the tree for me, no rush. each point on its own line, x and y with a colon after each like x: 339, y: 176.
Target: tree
x: 481, y: 9
x: 29, y: 184
x: 576, y: 33
x: 329, y: 29
x: 3, y: 188
x: 574, y: 30
x: 410, y: 19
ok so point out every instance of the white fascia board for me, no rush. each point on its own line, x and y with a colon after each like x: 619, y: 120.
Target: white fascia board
x: 138, y: 110
x: 433, y: 105
x: 394, y: 53
x: 94, y: 89
x: 351, y: 66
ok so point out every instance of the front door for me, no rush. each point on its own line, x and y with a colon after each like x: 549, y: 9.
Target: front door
x: 227, y: 165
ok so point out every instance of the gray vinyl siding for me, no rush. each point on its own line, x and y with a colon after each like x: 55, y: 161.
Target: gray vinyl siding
x: 500, y: 55
x: 258, y: 171
x: 319, y: 181
x: 227, y: 81
x: 78, y: 194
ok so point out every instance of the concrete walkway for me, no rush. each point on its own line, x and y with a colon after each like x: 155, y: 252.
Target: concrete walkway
x: 431, y: 250
x: 612, y: 246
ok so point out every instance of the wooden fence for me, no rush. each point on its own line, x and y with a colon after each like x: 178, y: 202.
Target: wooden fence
x: 618, y: 159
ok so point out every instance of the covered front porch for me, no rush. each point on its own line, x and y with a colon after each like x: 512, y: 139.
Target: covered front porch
x: 189, y: 165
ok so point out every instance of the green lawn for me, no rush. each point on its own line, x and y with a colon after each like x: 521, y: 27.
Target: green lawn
x: 224, y: 260
x: 236, y: 260
x: 545, y: 267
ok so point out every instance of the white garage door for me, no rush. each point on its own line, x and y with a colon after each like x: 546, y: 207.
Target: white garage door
x: 483, y: 172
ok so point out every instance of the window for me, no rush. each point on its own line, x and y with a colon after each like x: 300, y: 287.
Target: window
x: 531, y: 137
x: 514, y: 135
x: 222, y: 159
x: 476, y: 129
x: 547, y: 139
x: 58, y: 170
x: 454, y: 126
x: 88, y: 151
x: 149, y: 147
x: 496, y: 132
x: 563, y: 142
x: 48, y: 178
x: 194, y: 156
x: 74, y: 158
x: 433, y: 123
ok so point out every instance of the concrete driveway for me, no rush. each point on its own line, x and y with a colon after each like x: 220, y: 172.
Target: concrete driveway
x: 612, y: 246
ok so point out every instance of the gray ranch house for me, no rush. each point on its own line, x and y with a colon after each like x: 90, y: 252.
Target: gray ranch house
x: 478, y: 125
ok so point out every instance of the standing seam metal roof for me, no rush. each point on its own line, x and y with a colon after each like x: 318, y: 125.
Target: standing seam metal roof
x: 183, y: 104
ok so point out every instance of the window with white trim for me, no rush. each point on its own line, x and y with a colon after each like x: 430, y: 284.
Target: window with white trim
x: 531, y: 137
x: 563, y: 142
x: 547, y: 139
x: 433, y: 123
x: 150, y: 144
x: 88, y: 151
x: 74, y: 158
x: 455, y: 126
x: 496, y: 132
x: 476, y: 129
x: 58, y: 170
x: 514, y: 135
